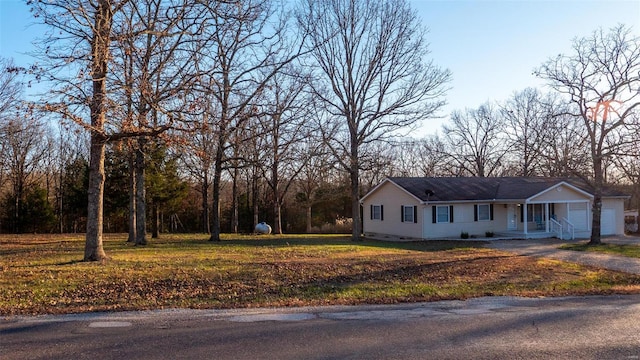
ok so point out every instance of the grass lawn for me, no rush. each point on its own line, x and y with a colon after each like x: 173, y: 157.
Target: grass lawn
x: 42, y: 273
x: 632, y: 251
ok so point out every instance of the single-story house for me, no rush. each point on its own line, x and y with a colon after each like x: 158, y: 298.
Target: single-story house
x: 527, y: 207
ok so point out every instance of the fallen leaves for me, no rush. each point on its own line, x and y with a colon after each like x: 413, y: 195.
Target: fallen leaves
x: 43, y: 276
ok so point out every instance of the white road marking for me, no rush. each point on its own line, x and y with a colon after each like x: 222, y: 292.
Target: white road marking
x: 109, y: 324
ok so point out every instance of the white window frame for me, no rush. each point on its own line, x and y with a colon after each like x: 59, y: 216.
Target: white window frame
x: 438, y: 207
x: 533, y: 210
x: 407, y: 213
x: 373, y: 212
x: 488, y: 217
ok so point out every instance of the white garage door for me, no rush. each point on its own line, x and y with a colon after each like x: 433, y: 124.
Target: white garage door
x: 608, y: 222
x: 578, y: 216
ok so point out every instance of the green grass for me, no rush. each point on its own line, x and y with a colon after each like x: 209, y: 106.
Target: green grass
x: 632, y: 251
x: 44, y: 274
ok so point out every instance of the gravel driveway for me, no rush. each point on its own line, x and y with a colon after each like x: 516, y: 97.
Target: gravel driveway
x: 548, y: 248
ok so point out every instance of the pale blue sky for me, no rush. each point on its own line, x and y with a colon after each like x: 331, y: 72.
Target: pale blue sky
x: 491, y: 47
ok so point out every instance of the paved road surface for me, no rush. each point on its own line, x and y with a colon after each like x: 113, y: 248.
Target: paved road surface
x: 487, y: 328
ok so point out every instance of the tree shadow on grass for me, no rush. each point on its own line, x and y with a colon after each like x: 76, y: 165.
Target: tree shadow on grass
x: 427, y: 246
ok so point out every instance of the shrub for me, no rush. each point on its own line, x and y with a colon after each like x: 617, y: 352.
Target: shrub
x: 464, y: 235
x: 341, y: 226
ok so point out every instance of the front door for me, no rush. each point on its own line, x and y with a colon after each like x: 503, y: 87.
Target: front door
x: 512, y: 217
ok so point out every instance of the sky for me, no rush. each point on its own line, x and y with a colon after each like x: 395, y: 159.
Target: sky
x: 491, y: 47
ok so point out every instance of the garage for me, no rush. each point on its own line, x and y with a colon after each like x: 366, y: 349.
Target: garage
x: 579, y: 216
x: 608, y: 222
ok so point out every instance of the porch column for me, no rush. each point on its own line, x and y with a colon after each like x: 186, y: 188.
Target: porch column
x: 547, y: 217
x: 524, y: 218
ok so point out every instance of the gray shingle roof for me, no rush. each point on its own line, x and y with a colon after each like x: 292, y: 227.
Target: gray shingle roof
x: 487, y: 188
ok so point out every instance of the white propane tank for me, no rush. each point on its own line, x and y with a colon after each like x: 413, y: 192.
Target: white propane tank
x: 263, y: 228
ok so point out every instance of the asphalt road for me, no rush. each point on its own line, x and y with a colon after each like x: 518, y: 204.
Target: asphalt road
x: 487, y: 328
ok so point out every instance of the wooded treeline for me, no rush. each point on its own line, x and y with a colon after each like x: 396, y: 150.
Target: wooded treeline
x: 45, y: 171
x: 184, y: 115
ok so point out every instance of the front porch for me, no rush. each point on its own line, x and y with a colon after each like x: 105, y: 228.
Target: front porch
x: 539, y: 218
x: 515, y: 234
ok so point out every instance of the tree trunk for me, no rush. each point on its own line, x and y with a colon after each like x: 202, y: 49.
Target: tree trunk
x: 277, y: 223
x: 155, y: 225
x: 217, y: 176
x: 597, y: 202
x: 254, y: 195
x: 132, y: 199
x: 141, y: 208
x: 94, y: 250
x: 234, y: 202
x: 596, y: 238
x: 308, y: 219
x: 17, y: 204
x: 277, y: 218
x: 60, y: 189
x: 355, y: 189
x: 206, y: 224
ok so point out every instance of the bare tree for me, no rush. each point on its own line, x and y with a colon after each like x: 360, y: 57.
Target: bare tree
x: 78, y: 60
x: 318, y: 164
x: 157, y: 46
x: 197, y: 160
x: 432, y: 156
x: 475, y: 141
x: 284, y: 114
x: 628, y: 164
x: 10, y: 98
x: 565, y: 152
x: 10, y: 86
x: 24, y: 147
x: 372, y: 75
x: 419, y: 157
x: 80, y: 41
x: 527, y: 123
x: 376, y: 163
x: 601, y: 81
x: 250, y: 45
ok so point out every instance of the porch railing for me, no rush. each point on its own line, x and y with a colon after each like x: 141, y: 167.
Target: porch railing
x: 563, y: 230
x: 570, y: 228
x: 556, y: 228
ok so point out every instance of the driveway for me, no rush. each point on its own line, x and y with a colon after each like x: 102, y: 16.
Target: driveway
x: 549, y: 248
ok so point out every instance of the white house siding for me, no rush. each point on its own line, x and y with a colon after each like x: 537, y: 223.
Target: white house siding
x: 450, y: 229
x: 561, y: 211
x: 392, y: 198
x: 463, y: 221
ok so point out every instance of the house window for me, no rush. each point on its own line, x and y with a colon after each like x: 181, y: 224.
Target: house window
x: 484, y: 212
x: 442, y: 214
x: 409, y: 214
x: 377, y: 212
x: 535, y: 212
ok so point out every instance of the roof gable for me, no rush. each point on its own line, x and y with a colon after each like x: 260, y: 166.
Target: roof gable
x: 391, y: 182
x: 549, y: 193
